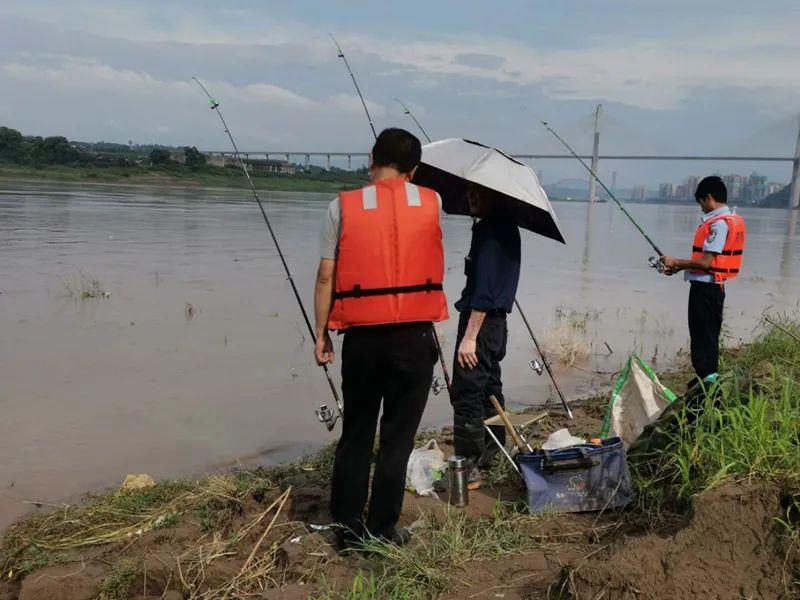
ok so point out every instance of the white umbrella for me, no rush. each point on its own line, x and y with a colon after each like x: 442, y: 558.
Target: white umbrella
x: 449, y: 164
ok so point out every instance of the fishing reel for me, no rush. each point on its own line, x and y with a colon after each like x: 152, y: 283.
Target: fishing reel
x: 436, y: 386
x: 657, y: 264
x: 326, y: 416
x: 536, y: 366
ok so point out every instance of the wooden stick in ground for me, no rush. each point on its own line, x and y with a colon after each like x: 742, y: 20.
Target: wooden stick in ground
x: 509, y: 426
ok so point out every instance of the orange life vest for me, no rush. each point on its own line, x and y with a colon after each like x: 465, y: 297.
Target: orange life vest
x: 727, y: 264
x: 390, y: 262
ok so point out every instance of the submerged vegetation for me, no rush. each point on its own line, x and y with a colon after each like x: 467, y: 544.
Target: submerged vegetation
x: 83, y: 287
x: 748, y: 430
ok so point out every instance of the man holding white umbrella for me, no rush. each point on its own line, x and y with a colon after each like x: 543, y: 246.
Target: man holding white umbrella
x: 492, y: 270
x: 502, y: 194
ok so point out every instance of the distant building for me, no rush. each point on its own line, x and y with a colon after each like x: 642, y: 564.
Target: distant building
x: 253, y: 164
x: 691, y: 186
x: 639, y: 193
x: 680, y: 192
x: 666, y: 191
x: 755, y: 189
x: 178, y: 156
x: 774, y: 186
x: 216, y: 160
x: 735, y: 185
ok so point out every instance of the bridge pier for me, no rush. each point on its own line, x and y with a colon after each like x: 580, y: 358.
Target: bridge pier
x: 328, y: 165
x: 308, y: 161
x: 349, y: 162
x: 287, y: 158
x: 595, y: 154
x: 794, y: 196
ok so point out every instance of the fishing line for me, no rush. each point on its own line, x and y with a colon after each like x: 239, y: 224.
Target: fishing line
x: 654, y: 262
x: 324, y: 414
x: 534, y: 364
x: 435, y: 385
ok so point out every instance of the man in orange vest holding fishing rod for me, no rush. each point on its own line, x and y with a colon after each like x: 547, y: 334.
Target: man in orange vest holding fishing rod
x: 380, y: 283
x: 716, y: 258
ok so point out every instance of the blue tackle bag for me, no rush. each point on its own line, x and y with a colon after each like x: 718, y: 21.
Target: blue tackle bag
x: 586, y: 477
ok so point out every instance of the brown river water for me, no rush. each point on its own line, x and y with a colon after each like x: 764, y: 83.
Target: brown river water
x: 199, y: 360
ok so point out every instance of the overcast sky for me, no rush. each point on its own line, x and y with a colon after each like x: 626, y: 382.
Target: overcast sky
x: 704, y: 76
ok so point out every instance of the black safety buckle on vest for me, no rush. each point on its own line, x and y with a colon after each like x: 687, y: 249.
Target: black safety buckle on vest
x: 657, y: 263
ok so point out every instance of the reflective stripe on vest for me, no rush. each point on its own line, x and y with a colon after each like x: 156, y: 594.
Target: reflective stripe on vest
x: 390, y: 262
x: 726, y: 264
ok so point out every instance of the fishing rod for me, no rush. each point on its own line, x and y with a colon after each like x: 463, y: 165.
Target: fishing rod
x: 654, y: 262
x: 325, y: 415
x: 534, y: 364
x: 355, y: 83
x: 407, y: 111
x: 436, y: 385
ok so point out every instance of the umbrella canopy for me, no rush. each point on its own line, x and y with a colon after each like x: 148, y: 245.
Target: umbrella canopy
x: 448, y: 165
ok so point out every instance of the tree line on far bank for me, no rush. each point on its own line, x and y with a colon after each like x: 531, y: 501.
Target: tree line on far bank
x: 37, y: 151
x: 33, y: 150
x: 58, y: 151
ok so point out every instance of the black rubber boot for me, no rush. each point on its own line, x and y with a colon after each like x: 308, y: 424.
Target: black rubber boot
x: 468, y: 437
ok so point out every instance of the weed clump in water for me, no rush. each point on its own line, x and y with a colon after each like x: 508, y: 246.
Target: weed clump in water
x: 566, y: 344
x: 84, y: 287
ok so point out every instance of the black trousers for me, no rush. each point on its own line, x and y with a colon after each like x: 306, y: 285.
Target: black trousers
x: 393, y: 364
x: 706, y: 301
x: 471, y: 388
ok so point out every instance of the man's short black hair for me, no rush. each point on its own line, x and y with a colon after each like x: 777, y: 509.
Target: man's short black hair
x: 713, y: 186
x: 396, y: 148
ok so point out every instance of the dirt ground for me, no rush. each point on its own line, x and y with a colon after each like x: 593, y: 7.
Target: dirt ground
x: 728, y: 548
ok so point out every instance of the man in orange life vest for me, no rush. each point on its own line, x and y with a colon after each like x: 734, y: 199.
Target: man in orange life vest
x: 716, y: 258
x: 380, y: 282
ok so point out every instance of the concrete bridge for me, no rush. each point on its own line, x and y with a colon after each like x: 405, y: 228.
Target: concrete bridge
x: 595, y: 158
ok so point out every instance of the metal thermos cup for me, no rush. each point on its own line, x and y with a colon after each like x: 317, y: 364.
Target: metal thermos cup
x: 459, y: 492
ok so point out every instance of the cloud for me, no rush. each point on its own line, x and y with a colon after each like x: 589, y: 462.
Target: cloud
x: 478, y: 60
x: 352, y: 104
x: 754, y: 54
x: 77, y: 74
x: 76, y: 69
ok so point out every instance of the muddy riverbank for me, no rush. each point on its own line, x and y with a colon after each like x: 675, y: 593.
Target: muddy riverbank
x: 716, y: 516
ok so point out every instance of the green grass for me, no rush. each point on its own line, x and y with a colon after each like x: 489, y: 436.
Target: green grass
x: 749, y: 427
x: 43, y: 539
x: 118, y: 583
x: 425, y: 568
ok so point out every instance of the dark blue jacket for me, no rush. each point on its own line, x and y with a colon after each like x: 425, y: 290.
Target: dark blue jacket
x: 492, y: 267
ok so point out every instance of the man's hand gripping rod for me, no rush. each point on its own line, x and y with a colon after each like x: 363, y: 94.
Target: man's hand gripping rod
x: 655, y: 262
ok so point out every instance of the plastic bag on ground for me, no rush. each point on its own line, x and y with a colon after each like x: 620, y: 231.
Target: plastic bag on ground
x: 425, y: 466
x: 637, y: 400
x: 561, y: 439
